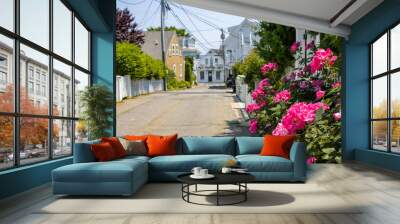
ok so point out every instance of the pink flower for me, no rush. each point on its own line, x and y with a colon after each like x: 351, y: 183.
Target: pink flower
x: 280, y: 130
x: 282, y: 96
x: 322, y: 58
x: 269, y: 67
x: 252, y: 107
x: 319, y: 94
x: 259, y: 91
x: 311, y: 160
x: 337, y: 116
x: 337, y: 85
x: 294, y: 47
x: 263, y: 83
x: 253, y: 126
x: 297, y: 117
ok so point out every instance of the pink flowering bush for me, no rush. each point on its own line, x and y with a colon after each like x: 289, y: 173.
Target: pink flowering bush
x: 305, y: 102
x: 269, y: 67
x: 282, y: 96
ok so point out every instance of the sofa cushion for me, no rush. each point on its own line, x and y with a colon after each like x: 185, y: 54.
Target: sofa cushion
x: 257, y: 163
x: 249, y: 145
x: 161, y: 145
x: 185, y: 163
x: 103, y: 152
x: 134, y: 147
x: 277, y: 145
x: 112, y: 171
x: 116, y: 145
x: 83, y: 152
x: 206, y: 145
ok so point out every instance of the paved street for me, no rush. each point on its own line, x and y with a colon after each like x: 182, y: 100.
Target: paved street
x: 204, y: 110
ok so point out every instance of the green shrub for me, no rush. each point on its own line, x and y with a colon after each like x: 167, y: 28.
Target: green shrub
x: 130, y: 60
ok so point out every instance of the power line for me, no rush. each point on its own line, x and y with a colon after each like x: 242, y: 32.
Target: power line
x: 154, y: 13
x: 180, y: 21
x: 146, y: 11
x: 132, y: 3
x: 195, y: 27
x: 199, y: 18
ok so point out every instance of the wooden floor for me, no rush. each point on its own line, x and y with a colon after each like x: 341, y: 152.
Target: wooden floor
x: 379, y: 190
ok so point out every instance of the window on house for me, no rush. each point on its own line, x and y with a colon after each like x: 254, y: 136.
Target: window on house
x: 55, y: 128
x: 30, y: 87
x: 3, y: 78
x: 218, y: 75
x: 3, y: 71
x: 202, y: 75
x: 206, y: 61
x: 385, y: 98
x: 30, y: 73
x: 216, y: 60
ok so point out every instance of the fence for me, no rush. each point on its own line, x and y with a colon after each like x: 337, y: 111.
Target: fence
x: 242, y: 91
x: 129, y: 88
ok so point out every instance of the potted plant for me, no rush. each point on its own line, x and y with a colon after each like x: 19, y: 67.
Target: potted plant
x: 96, y: 102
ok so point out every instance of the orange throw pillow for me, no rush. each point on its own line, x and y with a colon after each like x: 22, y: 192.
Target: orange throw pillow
x: 103, y: 152
x: 161, y: 145
x: 277, y: 145
x: 136, y: 137
x: 116, y: 145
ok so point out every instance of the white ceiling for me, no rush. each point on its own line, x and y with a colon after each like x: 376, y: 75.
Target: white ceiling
x: 325, y: 16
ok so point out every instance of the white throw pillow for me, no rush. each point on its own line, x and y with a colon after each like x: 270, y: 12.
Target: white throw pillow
x: 137, y: 147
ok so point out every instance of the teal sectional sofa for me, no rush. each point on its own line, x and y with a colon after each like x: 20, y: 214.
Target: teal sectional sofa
x: 125, y: 176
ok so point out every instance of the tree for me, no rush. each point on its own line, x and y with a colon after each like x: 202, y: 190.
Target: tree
x: 33, y: 130
x: 189, y: 69
x: 129, y: 60
x: 126, y: 28
x: 179, y: 32
x: 249, y: 68
x: 274, y: 44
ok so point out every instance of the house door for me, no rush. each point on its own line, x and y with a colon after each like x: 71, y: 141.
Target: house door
x: 210, y: 77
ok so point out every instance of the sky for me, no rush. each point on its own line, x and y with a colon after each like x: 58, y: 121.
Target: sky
x: 147, y: 14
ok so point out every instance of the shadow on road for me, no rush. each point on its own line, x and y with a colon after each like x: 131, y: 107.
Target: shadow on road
x: 235, y: 128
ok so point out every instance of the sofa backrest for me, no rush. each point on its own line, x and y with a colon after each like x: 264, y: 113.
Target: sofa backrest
x: 206, y: 145
x: 249, y: 145
x: 83, y: 153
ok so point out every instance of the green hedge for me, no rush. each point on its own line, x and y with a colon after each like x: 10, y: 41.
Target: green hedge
x: 130, y: 60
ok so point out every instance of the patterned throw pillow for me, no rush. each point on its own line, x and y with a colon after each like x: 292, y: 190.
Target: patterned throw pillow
x: 134, y: 147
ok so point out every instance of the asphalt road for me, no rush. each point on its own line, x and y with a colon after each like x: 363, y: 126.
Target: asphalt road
x: 201, y: 111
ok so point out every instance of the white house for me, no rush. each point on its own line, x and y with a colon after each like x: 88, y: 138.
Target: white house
x: 210, y: 67
x: 239, y: 43
x: 189, y: 50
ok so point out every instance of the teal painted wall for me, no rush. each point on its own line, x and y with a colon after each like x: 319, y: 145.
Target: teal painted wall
x: 356, y: 99
x: 27, y: 177
x: 99, y: 16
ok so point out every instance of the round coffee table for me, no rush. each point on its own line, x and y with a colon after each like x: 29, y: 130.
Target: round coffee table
x: 238, y: 179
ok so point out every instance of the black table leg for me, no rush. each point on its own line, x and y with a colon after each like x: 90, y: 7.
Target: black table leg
x: 195, y: 188
x: 245, y: 193
x: 217, y: 194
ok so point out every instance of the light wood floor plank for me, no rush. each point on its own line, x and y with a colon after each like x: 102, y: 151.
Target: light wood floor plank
x: 376, y: 190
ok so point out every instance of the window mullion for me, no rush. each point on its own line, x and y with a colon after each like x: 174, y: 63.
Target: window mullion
x: 50, y: 81
x: 73, y: 81
x: 389, y: 104
x: 16, y: 84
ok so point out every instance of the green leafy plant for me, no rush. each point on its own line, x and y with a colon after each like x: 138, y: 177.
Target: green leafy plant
x: 130, y: 60
x: 97, y: 102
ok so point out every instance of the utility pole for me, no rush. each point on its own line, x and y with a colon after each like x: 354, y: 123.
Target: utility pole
x: 223, y: 52
x: 162, y: 42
